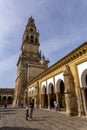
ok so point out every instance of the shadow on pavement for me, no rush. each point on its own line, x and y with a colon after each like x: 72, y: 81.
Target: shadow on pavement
x: 35, y: 119
x: 17, y: 128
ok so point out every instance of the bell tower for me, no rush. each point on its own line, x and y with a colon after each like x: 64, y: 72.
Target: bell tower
x: 30, y: 63
x: 31, y: 54
x: 30, y: 45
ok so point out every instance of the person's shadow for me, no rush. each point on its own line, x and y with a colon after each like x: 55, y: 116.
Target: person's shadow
x: 17, y: 128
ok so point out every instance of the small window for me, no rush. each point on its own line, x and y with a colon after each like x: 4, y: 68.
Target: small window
x: 31, y: 29
x: 31, y: 39
x: 27, y: 38
x: 36, y: 40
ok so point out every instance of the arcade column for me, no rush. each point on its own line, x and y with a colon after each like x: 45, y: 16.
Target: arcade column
x: 48, y: 101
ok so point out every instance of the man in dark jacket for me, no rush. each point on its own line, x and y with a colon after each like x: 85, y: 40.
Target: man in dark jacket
x: 27, y: 112
x: 31, y: 107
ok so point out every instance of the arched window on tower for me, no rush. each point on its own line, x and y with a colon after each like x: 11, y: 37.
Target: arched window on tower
x: 27, y: 38
x: 32, y: 39
x: 86, y: 79
x: 36, y: 40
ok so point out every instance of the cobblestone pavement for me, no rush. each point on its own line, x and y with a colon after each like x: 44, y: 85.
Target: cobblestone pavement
x: 14, y: 119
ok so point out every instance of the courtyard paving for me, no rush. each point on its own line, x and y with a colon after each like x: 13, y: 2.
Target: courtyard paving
x: 14, y: 119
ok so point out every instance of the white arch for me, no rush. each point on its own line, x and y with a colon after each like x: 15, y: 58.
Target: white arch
x: 57, y: 89
x: 49, y: 90
x: 81, y: 67
x: 59, y: 76
x: 83, y: 80
x: 4, y: 97
x: 43, y: 89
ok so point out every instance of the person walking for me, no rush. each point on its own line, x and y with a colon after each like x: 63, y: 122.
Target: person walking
x: 27, y: 112
x: 31, y: 107
x: 55, y: 105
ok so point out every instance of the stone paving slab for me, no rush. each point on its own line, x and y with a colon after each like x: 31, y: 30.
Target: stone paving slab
x: 14, y: 119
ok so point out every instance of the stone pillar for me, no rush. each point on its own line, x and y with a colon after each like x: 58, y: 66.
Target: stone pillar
x: 70, y: 97
x: 14, y: 102
x: 36, y: 102
x: 84, y: 100
x: 20, y: 95
x: 24, y: 101
x: 57, y: 99
x: 78, y: 93
x: 48, y: 101
x: 36, y: 96
x: 18, y: 102
x: 42, y: 100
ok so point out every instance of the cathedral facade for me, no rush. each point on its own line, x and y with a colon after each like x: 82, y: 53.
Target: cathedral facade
x: 64, y: 82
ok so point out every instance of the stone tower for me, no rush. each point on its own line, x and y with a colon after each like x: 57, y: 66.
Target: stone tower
x: 30, y: 63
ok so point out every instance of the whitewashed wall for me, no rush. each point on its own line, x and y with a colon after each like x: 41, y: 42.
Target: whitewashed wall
x: 81, y: 67
x: 59, y: 76
x: 43, y: 85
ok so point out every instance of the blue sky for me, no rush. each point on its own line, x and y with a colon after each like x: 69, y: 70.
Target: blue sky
x: 62, y: 25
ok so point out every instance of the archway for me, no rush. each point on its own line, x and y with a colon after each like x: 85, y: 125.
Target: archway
x: 60, y: 94
x: 4, y: 100
x: 84, y: 89
x: 32, y: 39
x: 52, y: 95
x: 44, y: 97
x: 84, y: 79
x: 9, y: 100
